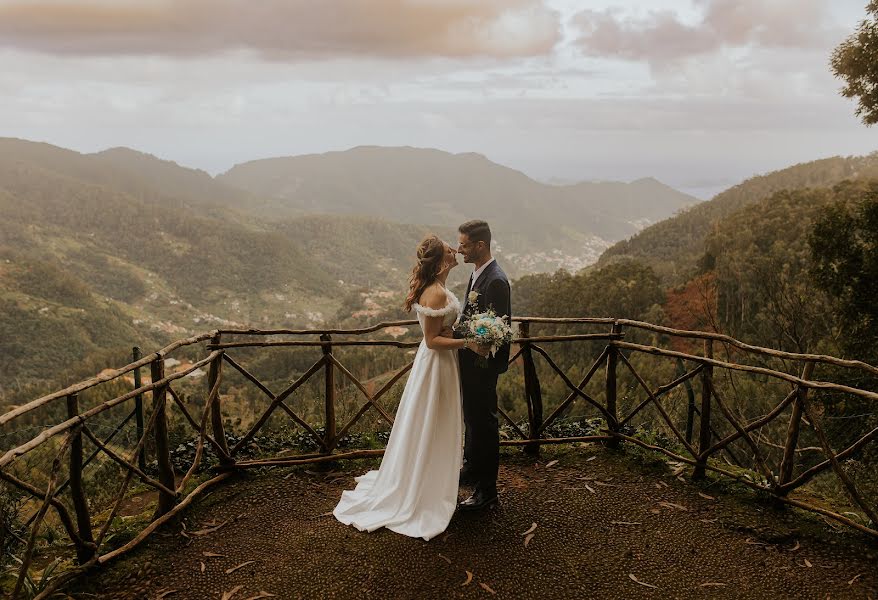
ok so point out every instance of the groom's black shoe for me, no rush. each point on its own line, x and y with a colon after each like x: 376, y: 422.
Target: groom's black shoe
x: 479, y: 501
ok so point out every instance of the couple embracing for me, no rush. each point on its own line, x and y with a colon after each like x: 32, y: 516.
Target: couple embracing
x: 414, y: 491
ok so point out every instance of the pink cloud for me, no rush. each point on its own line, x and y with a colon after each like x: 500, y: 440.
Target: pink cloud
x: 283, y: 29
x: 661, y: 36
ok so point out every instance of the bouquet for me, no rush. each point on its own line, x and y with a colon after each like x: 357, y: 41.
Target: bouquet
x: 486, y: 328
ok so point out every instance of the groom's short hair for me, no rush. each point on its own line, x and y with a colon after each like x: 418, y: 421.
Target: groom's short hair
x: 476, y: 231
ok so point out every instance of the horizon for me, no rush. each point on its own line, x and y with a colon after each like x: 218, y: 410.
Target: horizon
x: 698, y: 94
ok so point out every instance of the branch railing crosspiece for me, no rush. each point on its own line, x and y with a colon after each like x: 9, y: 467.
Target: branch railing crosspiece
x: 718, y: 424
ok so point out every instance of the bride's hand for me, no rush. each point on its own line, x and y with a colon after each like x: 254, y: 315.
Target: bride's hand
x: 447, y: 332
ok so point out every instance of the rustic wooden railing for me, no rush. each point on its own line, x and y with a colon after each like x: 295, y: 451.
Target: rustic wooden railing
x: 714, y: 413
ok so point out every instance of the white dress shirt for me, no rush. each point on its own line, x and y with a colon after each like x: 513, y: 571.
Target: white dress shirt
x: 478, y: 272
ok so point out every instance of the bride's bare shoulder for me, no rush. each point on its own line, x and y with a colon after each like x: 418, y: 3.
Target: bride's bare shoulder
x: 433, y: 297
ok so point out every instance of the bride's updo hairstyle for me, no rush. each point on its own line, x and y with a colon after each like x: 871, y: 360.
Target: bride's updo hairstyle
x: 431, y: 254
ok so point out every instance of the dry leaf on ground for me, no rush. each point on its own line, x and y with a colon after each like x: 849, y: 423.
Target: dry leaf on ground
x: 469, y: 579
x: 231, y: 570
x: 633, y: 578
x: 488, y: 589
x: 527, y: 539
x: 228, y: 595
x: 551, y: 463
x: 207, y: 530
x: 531, y: 529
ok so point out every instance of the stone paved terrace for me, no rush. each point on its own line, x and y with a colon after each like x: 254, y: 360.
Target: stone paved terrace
x: 607, y: 525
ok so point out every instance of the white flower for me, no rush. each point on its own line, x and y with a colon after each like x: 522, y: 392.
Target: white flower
x: 473, y: 296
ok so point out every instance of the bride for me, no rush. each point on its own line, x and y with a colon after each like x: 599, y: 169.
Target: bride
x: 414, y: 492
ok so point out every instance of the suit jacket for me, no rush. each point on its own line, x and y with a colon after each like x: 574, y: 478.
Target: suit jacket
x: 494, y: 293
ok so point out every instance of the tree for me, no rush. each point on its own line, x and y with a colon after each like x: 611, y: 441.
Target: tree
x: 844, y: 245
x: 855, y: 61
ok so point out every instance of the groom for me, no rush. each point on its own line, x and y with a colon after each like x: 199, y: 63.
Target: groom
x: 488, y: 288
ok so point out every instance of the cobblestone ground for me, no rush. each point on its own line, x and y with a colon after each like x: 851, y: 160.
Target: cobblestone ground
x: 575, y: 523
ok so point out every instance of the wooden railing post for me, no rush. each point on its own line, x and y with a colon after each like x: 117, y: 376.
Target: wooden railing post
x: 138, y: 407
x: 330, y: 425
x: 704, y: 430
x: 690, y: 402
x: 162, y: 446
x: 612, y: 388
x: 532, y: 391
x: 214, y: 373
x: 84, y: 551
x: 789, y: 453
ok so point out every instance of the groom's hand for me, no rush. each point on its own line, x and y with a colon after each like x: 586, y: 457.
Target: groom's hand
x: 482, y: 350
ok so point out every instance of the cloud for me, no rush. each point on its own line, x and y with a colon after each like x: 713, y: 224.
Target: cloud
x: 663, y: 36
x: 282, y: 30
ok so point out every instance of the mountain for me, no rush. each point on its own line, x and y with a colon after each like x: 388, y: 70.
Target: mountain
x: 94, y: 259
x: 100, y: 252
x: 424, y: 186
x: 673, y: 247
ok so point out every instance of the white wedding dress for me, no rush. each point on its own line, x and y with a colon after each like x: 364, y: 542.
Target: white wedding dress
x: 414, y: 491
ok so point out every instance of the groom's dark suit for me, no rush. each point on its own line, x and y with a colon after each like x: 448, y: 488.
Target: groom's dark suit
x: 479, y: 383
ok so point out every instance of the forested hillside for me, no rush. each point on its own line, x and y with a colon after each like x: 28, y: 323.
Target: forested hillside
x: 674, y: 246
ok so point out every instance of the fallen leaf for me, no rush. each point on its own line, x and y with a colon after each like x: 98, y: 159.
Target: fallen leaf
x: 808, y: 563
x: 551, y: 463
x: 228, y: 595
x: 632, y: 577
x: 213, y: 555
x: 445, y: 558
x: 657, y: 486
x: 163, y: 594
x: 589, y: 488
x: 796, y: 547
x: 469, y: 579
x: 625, y: 523
x: 703, y: 495
x: 208, y: 529
x: 712, y: 584
x: 531, y: 529
x: 231, y: 570
x: 590, y: 458
x: 709, y: 520
x: 550, y: 502
x: 203, y: 567
x: 261, y: 594
x: 528, y: 538
x: 673, y: 505
x: 854, y: 580
x: 678, y: 470
x: 488, y: 589
x: 753, y: 542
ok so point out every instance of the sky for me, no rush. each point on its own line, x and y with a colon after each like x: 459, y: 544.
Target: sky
x: 699, y: 94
